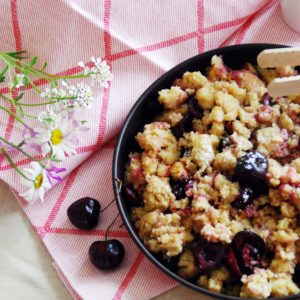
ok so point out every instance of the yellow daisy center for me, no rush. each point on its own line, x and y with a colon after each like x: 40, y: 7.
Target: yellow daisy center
x: 38, y: 181
x: 56, y: 137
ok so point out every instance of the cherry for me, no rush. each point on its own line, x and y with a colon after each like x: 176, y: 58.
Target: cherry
x: 232, y: 263
x: 178, y: 190
x: 184, y: 125
x: 84, y: 213
x: 131, y: 196
x: 195, y: 109
x: 209, y: 255
x: 106, y: 255
x: 244, y: 198
x: 251, y: 169
x: 296, y: 276
x: 248, y: 249
x: 266, y: 99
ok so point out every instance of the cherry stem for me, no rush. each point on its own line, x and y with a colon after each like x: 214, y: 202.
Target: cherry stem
x: 108, y: 205
x: 111, y: 224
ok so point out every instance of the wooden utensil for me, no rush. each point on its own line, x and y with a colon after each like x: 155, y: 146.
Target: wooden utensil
x: 272, y: 58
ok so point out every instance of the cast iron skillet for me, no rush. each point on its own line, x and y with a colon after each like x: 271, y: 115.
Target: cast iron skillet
x: 144, y: 111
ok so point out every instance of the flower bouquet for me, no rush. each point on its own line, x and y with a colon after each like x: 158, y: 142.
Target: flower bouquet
x: 52, y: 133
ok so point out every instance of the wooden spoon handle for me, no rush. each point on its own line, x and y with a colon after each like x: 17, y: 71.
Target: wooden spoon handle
x: 279, y: 57
x: 287, y: 86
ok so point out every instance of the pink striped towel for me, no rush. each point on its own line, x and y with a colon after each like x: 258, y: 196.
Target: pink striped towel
x: 140, y: 40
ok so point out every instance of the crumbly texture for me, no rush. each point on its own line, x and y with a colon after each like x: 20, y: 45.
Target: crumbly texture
x: 238, y: 116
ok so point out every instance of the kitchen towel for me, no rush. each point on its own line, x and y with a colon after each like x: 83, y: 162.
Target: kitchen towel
x: 140, y: 40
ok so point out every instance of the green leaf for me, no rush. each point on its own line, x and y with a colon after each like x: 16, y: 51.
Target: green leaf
x: 20, y: 109
x: 20, y: 96
x: 25, y: 82
x: 17, y: 55
x: 44, y: 66
x: 3, y: 71
x: 33, y: 61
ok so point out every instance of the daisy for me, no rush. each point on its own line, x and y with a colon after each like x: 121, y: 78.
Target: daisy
x: 58, y: 140
x: 37, y: 182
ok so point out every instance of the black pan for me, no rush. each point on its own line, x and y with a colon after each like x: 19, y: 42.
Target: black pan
x: 144, y: 111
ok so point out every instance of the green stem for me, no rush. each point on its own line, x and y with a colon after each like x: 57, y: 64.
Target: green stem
x: 22, y: 151
x: 33, y: 85
x: 29, y: 116
x: 14, y: 115
x: 36, y: 72
x: 14, y: 165
x: 37, y: 104
x: 5, y: 98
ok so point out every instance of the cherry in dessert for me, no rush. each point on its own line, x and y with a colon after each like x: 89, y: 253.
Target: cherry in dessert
x: 178, y: 190
x: 209, y: 255
x: 183, y: 126
x: 84, y: 213
x: 244, y: 198
x: 296, y: 275
x: 194, y: 108
x: 107, y: 254
x: 251, y: 169
x: 247, y: 251
x: 131, y: 196
x: 266, y: 99
x: 231, y: 262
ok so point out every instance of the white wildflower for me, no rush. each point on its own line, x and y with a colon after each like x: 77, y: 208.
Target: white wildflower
x: 37, y: 182
x: 58, y: 139
x: 84, y: 96
x: 100, y: 72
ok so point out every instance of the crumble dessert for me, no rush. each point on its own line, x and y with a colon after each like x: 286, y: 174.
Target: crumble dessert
x: 215, y: 189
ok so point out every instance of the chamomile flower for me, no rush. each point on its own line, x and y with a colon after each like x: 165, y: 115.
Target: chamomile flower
x: 37, y: 182
x: 57, y: 140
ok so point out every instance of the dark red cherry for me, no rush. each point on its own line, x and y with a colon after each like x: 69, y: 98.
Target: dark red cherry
x: 208, y: 255
x: 106, y: 255
x: 184, y: 125
x: 131, y: 196
x: 249, y: 258
x: 178, y: 190
x: 251, y: 169
x: 244, y: 198
x: 195, y: 109
x: 232, y: 264
x: 84, y: 213
x: 249, y: 249
x: 296, y: 275
x: 266, y: 99
x: 229, y: 127
x: 245, y: 236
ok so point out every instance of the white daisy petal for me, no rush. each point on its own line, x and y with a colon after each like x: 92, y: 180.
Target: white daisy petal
x: 28, y: 195
x: 45, y: 149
